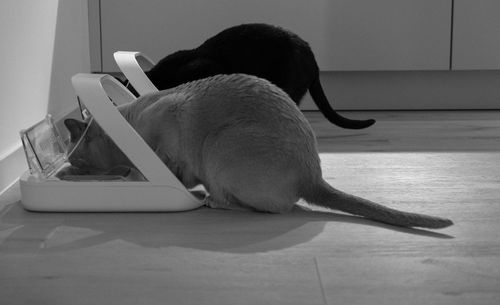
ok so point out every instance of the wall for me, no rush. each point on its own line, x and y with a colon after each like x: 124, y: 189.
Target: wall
x: 43, y: 44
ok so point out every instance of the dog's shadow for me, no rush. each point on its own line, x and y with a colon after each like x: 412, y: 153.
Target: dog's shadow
x: 203, y: 228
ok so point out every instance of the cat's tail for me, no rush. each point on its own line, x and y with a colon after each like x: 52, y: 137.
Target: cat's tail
x: 326, y: 196
x: 319, y: 98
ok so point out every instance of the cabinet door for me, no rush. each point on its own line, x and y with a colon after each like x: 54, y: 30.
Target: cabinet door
x: 344, y: 34
x: 159, y: 27
x: 389, y: 34
x: 476, y: 38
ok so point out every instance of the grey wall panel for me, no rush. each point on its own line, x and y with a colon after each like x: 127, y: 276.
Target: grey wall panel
x: 94, y: 8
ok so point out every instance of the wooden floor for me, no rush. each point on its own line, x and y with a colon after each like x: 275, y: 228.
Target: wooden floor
x: 442, y: 163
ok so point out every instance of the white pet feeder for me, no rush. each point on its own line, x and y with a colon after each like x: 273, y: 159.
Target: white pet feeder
x: 41, y: 191
x: 133, y: 65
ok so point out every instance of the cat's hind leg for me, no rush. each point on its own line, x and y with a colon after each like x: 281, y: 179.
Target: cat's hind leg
x: 225, y: 201
x: 240, y: 169
x: 220, y: 197
x: 252, y: 193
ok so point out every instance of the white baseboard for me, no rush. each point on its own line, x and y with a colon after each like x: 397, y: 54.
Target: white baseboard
x: 12, y: 165
x: 410, y: 90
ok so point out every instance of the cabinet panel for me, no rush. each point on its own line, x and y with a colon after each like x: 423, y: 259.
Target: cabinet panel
x: 390, y: 34
x: 344, y: 34
x: 476, y: 39
x: 158, y: 27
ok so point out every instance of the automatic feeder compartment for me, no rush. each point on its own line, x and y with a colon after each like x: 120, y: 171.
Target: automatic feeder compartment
x: 155, y: 188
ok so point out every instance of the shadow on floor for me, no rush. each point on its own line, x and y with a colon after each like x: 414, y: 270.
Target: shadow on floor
x: 204, y: 229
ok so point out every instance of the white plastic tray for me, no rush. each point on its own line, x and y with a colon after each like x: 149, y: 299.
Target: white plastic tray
x: 162, y: 192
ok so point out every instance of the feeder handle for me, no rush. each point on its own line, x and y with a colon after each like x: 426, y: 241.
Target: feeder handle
x: 133, y: 65
x: 91, y: 89
x: 116, y: 91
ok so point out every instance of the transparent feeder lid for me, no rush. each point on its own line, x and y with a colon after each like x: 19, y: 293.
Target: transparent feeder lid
x: 47, y: 154
x: 44, y: 147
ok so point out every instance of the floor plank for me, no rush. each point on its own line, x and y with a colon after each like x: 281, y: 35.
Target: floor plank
x: 441, y: 163
x: 412, y: 131
x: 389, y: 280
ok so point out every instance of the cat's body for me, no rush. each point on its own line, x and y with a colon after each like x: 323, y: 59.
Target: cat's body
x: 242, y: 138
x: 266, y: 51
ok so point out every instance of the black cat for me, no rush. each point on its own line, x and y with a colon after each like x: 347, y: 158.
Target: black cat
x: 266, y: 51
